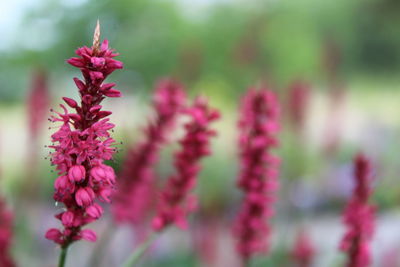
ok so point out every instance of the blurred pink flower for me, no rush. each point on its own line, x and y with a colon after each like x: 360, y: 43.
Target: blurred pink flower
x: 299, y: 96
x: 38, y: 102
x: 135, y: 195
x: 6, y: 233
x: 176, y: 202
x: 359, y: 216
x: 81, y: 144
x: 258, y: 126
x: 303, y: 251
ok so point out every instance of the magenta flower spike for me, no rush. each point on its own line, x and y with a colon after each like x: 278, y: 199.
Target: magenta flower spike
x: 359, y: 217
x: 38, y: 102
x: 299, y: 96
x: 176, y: 202
x: 258, y: 126
x: 6, y: 219
x: 81, y: 145
x: 303, y: 250
x: 135, y: 195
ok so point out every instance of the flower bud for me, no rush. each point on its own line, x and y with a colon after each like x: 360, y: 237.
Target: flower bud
x: 76, y: 173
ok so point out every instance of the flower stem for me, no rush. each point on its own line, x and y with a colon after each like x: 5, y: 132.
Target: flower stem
x: 98, y: 252
x: 139, y: 251
x: 63, y: 256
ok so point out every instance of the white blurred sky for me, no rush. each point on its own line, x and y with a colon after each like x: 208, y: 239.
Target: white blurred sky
x: 12, y: 12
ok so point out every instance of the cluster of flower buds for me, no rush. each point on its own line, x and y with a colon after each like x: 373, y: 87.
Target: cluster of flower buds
x: 5, y: 235
x: 175, y: 200
x: 135, y: 195
x: 359, y: 216
x: 81, y: 145
x: 258, y: 126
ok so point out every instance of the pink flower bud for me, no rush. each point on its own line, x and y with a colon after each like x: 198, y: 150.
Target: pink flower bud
x: 75, y: 117
x: 61, y: 183
x: 88, y: 235
x: 67, y: 218
x: 104, y: 45
x: 114, y: 64
x: 70, y: 102
x: 103, y: 173
x: 84, y: 196
x: 96, y: 75
x: 94, y: 210
x: 55, y: 235
x: 105, y: 195
x: 95, y: 109
x: 103, y: 114
x: 76, y: 62
x: 76, y: 173
x: 97, y: 62
x: 112, y: 93
x: 107, y: 86
x: 158, y: 224
x: 81, y: 86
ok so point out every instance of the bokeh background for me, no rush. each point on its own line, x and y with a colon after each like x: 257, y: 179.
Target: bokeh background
x: 345, y: 56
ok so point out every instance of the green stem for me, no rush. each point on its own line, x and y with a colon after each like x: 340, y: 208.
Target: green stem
x: 98, y: 252
x: 134, y: 258
x: 63, y: 256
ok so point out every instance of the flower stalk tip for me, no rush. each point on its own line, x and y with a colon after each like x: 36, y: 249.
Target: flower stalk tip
x: 96, y: 38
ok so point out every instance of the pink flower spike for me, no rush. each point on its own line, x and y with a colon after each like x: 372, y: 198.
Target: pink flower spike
x: 6, y: 235
x: 303, y: 250
x: 176, y: 202
x: 134, y: 201
x: 359, y: 216
x: 258, y: 124
x: 38, y: 103
x: 81, y: 144
x: 88, y: 235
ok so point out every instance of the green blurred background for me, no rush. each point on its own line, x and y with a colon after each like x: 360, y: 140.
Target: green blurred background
x: 347, y: 52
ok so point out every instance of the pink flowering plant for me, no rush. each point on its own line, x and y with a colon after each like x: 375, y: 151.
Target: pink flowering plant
x: 303, y: 251
x: 134, y: 199
x: 258, y: 126
x: 38, y: 102
x: 82, y: 144
x: 176, y: 202
x: 6, y: 233
x: 359, y: 217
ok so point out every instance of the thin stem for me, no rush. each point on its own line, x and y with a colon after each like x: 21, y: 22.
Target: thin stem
x: 134, y: 258
x: 246, y: 262
x: 105, y: 239
x: 63, y: 256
